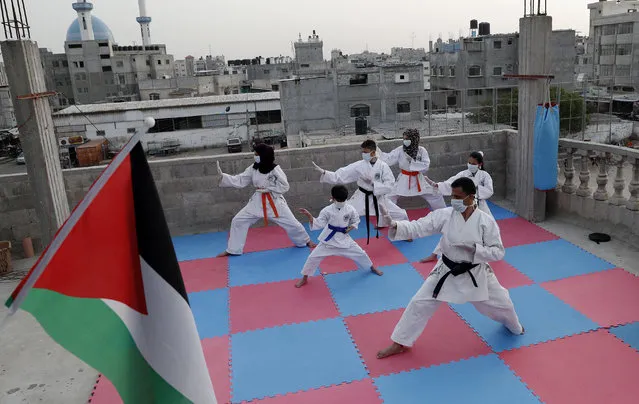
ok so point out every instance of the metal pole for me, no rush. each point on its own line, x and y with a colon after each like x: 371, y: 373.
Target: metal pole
x: 610, y: 118
x: 494, y: 108
x: 583, y: 112
x: 430, y: 108
x: 463, y: 108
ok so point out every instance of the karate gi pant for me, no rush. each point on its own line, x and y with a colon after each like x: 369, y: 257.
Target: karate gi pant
x: 246, y: 217
x: 435, y: 201
x: 353, y: 252
x: 499, y: 307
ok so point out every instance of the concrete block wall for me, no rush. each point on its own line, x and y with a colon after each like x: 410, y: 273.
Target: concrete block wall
x: 194, y: 203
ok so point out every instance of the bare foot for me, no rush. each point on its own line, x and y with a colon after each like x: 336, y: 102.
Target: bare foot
x: 311, y: 244
x: 523, y: 331
x: 301, y: 282
x: 224, y: 254
x: 376, y: 271
x: 430, y: 258
x: 394, y: 349
x: 410, y: 240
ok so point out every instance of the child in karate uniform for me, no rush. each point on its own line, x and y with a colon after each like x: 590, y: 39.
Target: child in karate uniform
x: 483, y: 181
x: 375, y: 181
x: 337, y: 220
x: 267, y: 202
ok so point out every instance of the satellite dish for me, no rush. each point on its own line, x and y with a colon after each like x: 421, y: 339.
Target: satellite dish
x: 228, y: 109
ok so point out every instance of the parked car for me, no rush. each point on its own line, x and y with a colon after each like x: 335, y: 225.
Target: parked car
x: 234, y: 144
x: 20, y: 160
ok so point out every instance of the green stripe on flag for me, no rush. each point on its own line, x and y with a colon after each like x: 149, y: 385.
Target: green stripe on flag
x: 93, y: 332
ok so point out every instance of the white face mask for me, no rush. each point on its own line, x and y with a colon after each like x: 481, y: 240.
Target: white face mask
x: 257, y: 159
x: 366, y: 156
x: 473, y: 168
x: 339, y: 205
x: 458, y: 205
x: 407, y: 142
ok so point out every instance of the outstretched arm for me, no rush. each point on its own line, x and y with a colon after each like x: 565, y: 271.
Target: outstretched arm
x: 237, y: 181
x: 343, y: 176
x: 424, y: 227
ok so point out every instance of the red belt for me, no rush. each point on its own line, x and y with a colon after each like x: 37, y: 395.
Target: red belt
x: 413, y: 174
x: 267, y: 197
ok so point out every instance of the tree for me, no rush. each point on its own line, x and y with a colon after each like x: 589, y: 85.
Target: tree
x: 571, y: 110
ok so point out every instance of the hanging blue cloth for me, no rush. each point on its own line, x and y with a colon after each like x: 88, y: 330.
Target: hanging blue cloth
x: 546, y: 137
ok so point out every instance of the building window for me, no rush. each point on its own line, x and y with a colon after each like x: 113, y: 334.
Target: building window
x: 80, y: 76
x: 626, y: 28
x: 622, y: 70
x: 148, y: 62
x: 130, y: 130
x: 510, y: 41
x: 266, y: 71
x: 451, y: 100
x: 107, y: 69
x: 606, y: 50
x: 425, y: 105
x: 403, y: 107
x: 275, y: 87
x: 65, y: 63
x: 284, y: 71
x: 497, y: 71
x: 55, y: 63
x: 441, y: 71
x: 606, y: 70
x: 451, y: 71
x: 474, y: 71
x: 119, y: 63
x: 105, y: 56
x: 75, y: 46
x: 100, y: 133
x: 159, y: 62
x: 168, y: 62
x: 624, y: 49
x: 610, y: 29
x: 476, y: 92
x: 360, y: 110
x: 175, y: 124
x: 76, y: 65
x: 358, y: 79
x: 266, y: 117
x: 497, y: 44
x: 154, y: 96
x: 103, y: 44
x: 305, y: 65
x: 148, y: 76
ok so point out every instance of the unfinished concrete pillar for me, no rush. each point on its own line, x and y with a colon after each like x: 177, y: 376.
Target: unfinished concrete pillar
x: 534, y: 59
x: 33, y: 114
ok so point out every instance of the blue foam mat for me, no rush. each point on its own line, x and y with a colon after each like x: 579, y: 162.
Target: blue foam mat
x: 484, y: 379
x: 294, y: 357
x: 500, y: 213
x: 199, y: 246
x: 628, y: 333
x: 360, y: 292
x: 544, y: 316
x: 553, y: 260
x: 267, y: 266
x: 211, y: 312
x: 418, y: 249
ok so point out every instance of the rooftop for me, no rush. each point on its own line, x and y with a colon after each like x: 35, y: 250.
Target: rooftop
x: 578, y: 309
x: 168, y: 103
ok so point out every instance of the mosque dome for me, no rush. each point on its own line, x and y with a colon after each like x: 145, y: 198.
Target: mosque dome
x: 100, y: 30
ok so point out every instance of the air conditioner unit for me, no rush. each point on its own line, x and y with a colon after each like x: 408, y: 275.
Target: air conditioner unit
x: 63, y: 141
x: 401, y: 78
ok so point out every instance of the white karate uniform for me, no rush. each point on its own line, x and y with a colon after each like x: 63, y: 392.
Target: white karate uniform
x: 489, y: 297
x: 272, y: 185
x: 484, y: 183
x: 340, y: 244
x: 377, y: 178
x: 415, y: 184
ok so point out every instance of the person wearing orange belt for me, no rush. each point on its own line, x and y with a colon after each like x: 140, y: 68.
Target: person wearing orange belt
x: 267, y: 203
x: 414, y: 162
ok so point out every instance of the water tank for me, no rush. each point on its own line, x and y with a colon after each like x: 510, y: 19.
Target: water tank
x: 361, y: 125
x: 484, y: 28
x: 473, y: 24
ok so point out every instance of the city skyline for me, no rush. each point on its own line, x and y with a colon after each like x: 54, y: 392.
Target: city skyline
x: 269, y: 28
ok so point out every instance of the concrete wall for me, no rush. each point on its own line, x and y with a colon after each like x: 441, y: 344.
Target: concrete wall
x: 193, y: 202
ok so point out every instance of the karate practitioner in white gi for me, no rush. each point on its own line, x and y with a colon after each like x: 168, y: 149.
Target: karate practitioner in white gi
x: 375, y: 181
x: 337, y: 220
x: 470, y: 240
x: 483, y: 181
x: 413, y: 162
x: 267, y: 202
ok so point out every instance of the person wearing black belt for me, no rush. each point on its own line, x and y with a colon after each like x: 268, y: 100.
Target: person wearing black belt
x: 375, y: 182
x: 336, y: 220
x: 470, y: 240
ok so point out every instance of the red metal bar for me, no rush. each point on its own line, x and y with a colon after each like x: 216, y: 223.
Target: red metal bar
x: 36, y: 96
x: 528, y: 76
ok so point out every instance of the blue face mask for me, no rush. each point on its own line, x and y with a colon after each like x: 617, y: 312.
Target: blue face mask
x: 257, y: 159
x: 458, y: 205
x: 366, y: 156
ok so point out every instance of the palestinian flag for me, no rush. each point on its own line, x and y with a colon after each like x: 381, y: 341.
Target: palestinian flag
x: 109, y: 289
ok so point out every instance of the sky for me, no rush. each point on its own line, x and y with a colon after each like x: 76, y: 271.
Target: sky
x: 249, y: 28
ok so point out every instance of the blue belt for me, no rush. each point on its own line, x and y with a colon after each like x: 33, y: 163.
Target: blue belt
x: 335, y: 230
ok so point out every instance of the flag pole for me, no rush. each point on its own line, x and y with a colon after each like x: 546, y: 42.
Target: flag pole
x: 68, y: 225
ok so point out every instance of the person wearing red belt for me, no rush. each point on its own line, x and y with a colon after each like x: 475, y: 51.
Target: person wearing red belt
x: 267, y: 202
x: 413, y: 162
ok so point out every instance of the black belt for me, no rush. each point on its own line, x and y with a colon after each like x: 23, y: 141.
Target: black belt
x: 456, y: 269
x: 368, y: 211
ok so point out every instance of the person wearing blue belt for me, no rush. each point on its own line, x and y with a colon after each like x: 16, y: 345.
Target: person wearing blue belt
x: 337, y: 220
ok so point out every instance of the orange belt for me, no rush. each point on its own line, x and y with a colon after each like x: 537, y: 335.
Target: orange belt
x: 267, y: 197
x: 413, y: 174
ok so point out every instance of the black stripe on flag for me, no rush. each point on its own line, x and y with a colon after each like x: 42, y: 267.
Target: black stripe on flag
x: 154, y: 239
